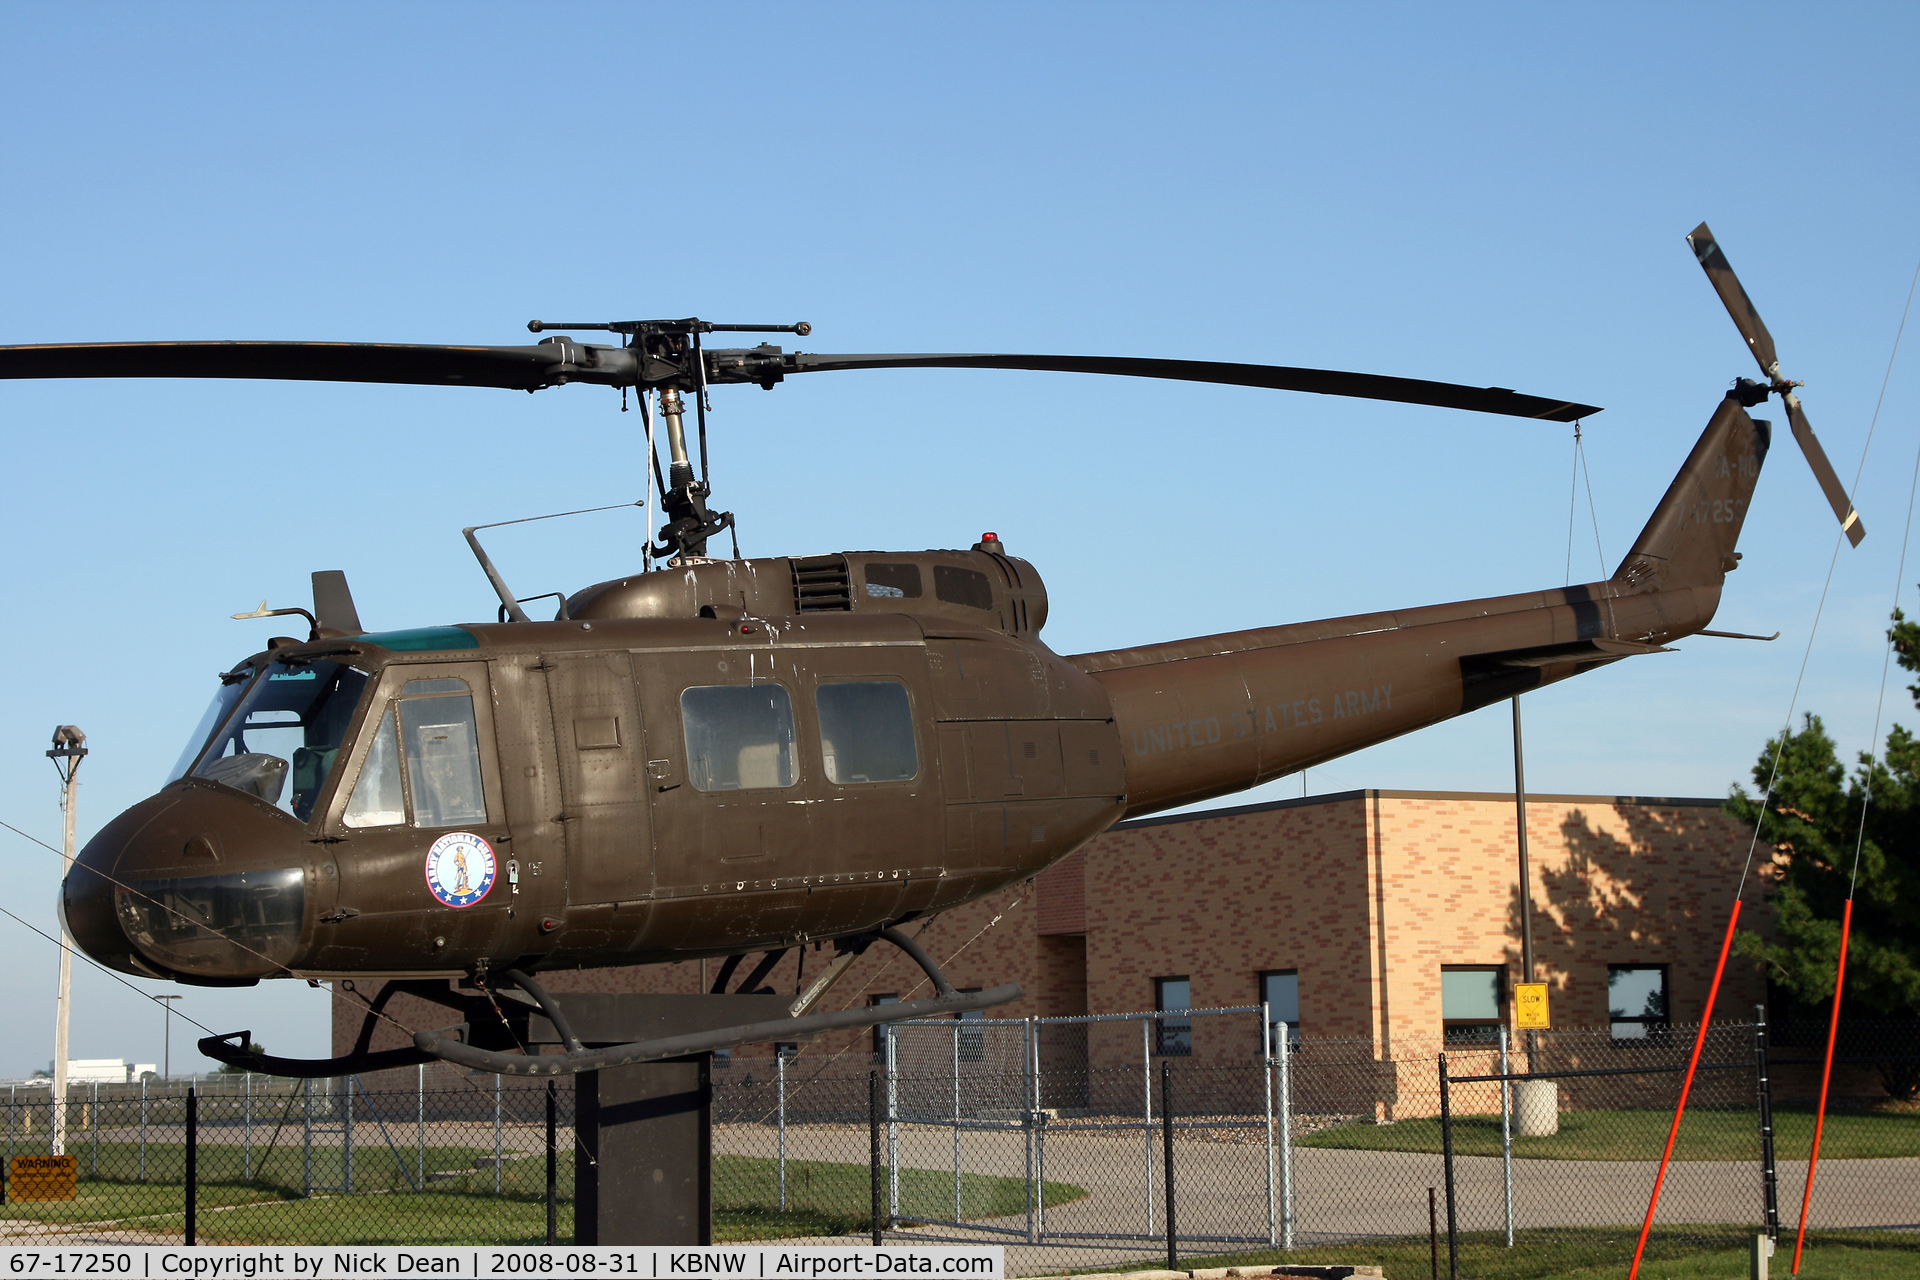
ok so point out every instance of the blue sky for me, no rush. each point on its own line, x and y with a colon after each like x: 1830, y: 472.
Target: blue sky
x: 1488, y: 194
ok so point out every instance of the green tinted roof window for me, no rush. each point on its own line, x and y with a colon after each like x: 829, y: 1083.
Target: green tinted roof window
x: 419, y: 639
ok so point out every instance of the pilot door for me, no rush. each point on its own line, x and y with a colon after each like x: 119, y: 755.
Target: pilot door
x: 596, y: 724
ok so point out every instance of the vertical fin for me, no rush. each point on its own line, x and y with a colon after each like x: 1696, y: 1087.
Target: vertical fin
x: 333, y: 603
x: 1690, y: 538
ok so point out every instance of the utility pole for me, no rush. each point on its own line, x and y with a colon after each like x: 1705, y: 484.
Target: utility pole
x: 166, y: 1057
x: 69, y: 749
x: 1528, y: 973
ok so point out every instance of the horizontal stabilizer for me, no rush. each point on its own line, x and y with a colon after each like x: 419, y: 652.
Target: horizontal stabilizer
x: 1555, y: 655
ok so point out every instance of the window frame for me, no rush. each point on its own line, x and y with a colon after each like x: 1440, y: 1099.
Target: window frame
x: 388, y: 684
x: 794, y: 723
x: 1172, y: 1037
x: 1652, y: 1028
x: 1260, y: 997
x: 913, y: 728
x: 1475, y: 1030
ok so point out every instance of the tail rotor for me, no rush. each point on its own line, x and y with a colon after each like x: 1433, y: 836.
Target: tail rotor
x: 1746, y: 318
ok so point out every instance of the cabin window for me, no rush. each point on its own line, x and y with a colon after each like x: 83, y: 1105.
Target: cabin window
x: 1637, y: 1000
x: 893, y: 581
x: 739, y: 736
x: 443, y: 760
x: 962, y: 586
x: 437, y: 739
x: 283, y: 740
x: 1470, y: 1001
x: 377, y: 800
x: 866, y: 731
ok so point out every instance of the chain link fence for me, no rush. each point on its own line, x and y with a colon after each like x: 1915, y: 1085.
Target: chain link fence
x: 1068, y: 1139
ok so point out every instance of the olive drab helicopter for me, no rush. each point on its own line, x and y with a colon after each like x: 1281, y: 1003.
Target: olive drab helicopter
x: 718, y: 757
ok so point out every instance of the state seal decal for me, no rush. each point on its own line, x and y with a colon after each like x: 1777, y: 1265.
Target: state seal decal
x: 460, y: 869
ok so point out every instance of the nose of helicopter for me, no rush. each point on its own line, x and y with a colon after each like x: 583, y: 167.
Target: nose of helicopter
x: 197, y: 883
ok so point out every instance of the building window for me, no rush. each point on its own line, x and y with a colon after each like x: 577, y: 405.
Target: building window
x: 1280, y: 992
x: 881, y: 1029
x: 1173, y: 1036
x: 971, y: 1041
x: 1637, y: 1000
x: 1471, y: 998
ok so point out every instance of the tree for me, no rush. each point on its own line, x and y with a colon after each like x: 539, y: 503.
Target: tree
x: 228, y: 1069
x: 1812, y: 824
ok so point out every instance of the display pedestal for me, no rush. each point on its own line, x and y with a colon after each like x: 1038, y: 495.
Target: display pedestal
x: 643, y: 1163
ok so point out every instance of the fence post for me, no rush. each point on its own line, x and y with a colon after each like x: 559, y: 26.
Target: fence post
x: 956, y: 1121
x: 420, y: 1124
x: 1286, y: 1136
x: 13, y: 1109
x: 306, y: 1137
x: 892, y: 1043
x: 1039, y: 1138
x: 346, y: 1178
x: 93, y: 1117
x: 193, y: 1162
x: 873, y: 1148
x: 246, y: 1122
x: 1506, y: 1133
x: 1446, y: 1147
x: 1146, y: 1092
x: 1266, y: 1085
x: 143, y: 1128
x: 780, y: 1100
x: 553, y: 1162
x: 1166, y: 1150
x: 1027, y: 1114
x: 496, y: 1133
x: 1763, y: 1087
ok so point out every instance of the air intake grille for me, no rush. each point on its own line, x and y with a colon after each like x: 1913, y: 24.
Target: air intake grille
x: 821, y: 585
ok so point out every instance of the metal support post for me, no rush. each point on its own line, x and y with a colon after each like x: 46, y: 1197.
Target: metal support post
x: 780, y: 1100
x: 1506, y: 1133
x: 143, y: 1128
x: 1446, y: 1148
x: 346, y: 1139
x: 1039, y: 1137
x: 873, y: 1150
x: 1266, y: 1085
x: 892, y: 1043
x: 1285, y: 1058
x: 496, y: 1133
x: 1146, y: 1093
x: 246, y: 1124
x: 420, y: 1123
x: 1026, y: 1124
x: 956, y: 1121
x: 553, y: 1162
x: 93, y: 1122
x: 1166, y: 1147
x: 1763, y: 1087
x: 193, y: 1162
x: 306, y: 1136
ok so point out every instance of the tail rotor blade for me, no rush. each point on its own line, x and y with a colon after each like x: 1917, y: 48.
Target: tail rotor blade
x: 1823, y: 471
x: 1745, y: 317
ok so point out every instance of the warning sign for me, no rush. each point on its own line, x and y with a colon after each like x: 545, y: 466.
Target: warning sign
x: 42, y: 1177
x: 1530, y: 1006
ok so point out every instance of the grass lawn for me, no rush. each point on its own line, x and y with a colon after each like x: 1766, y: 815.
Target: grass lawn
x: 822, y: 1198
x: 1596, y: 1252
x: 1640, y: 1135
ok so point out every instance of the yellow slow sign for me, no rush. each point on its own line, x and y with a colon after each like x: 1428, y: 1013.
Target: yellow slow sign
x: 1530, y: 1006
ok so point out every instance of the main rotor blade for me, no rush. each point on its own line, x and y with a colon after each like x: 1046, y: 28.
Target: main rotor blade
x: 1823, y: 471
x: 1368, y: 386
x: 514, y: 368
x: 1746, y: 317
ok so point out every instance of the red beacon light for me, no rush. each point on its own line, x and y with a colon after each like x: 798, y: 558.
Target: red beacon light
x: 990, y: 541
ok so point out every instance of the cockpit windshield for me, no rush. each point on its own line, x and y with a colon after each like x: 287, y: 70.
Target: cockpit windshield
x: 278, y: 733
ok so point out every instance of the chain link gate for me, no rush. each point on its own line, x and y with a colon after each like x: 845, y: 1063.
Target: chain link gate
x: 1068, y: 1107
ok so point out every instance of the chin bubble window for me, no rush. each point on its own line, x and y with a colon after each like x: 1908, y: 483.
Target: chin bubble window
x: 866, y: 731
x: 739, y: 736
x: 428, y: 736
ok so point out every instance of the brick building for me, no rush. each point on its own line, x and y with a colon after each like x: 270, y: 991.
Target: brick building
x: 1371, y: 915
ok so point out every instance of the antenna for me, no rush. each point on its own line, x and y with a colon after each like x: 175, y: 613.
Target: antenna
x: 507, y: 601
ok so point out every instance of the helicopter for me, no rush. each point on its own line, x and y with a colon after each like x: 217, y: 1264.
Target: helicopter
x: 718, y: 757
